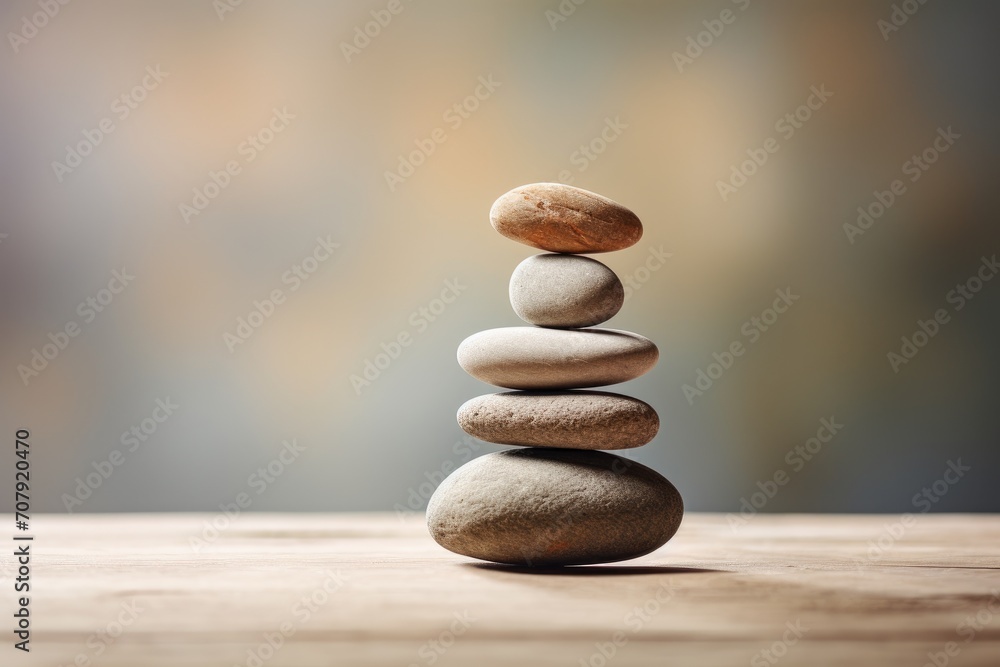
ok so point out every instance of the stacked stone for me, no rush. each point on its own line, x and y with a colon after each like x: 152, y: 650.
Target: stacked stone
x: 557, y: 500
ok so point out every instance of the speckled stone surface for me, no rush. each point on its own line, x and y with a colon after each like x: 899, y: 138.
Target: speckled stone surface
x: 539, y: 358
x: 562, y: 218
x: 557, y: 290
x: 544, y: 507
x: 572, y: 419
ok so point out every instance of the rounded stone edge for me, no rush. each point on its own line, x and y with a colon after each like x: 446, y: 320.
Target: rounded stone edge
x: 502, y: 207
x: 617, y: 294
x: 646, y: 366
x: 676, y: 504
x: 488, y: 436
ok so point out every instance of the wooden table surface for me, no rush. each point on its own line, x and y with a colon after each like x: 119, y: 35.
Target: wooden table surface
x: 374, y: 589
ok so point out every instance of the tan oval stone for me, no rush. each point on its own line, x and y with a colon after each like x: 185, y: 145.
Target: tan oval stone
x: 544, y: 507
x: 561, y: 218
x: 570, y: 419
x: 538, y: 358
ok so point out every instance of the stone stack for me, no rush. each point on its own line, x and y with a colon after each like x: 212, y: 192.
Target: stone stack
x: 556, y: 500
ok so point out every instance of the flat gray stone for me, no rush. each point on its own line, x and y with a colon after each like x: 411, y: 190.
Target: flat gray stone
x: 538, y: 358
x: 561, y: 218
x: 558, y: 290
x: 544, y: 507
x: 572, y: 419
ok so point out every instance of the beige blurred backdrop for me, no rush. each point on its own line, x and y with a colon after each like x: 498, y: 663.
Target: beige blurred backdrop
x: 309, y: 114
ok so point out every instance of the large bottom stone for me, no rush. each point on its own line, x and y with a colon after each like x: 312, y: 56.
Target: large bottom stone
x: 544, y: 507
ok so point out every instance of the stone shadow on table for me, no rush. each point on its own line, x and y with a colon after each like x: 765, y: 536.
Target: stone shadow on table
x: 591, y: 570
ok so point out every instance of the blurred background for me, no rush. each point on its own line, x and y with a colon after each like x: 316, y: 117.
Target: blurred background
x: 217, y: 219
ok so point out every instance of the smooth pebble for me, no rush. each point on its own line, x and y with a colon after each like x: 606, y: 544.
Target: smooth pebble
x: 548, y: 507
x: 571, y: 419
x: 562, y: 218
x: 539, y: 358
x: 558, y: 290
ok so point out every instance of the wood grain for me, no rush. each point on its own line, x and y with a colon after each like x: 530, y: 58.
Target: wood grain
x: 724, y: 595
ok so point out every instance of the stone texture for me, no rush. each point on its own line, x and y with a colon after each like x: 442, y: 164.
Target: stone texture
x: 537, y: 358
x: 557, y: 290
x: 561, y: 218
x: 573, y: 419
x: 544, y: 507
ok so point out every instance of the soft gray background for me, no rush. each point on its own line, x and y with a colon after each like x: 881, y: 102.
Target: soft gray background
x: 324, y: 175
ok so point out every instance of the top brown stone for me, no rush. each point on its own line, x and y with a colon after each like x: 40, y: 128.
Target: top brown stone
x: 561, y: 218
